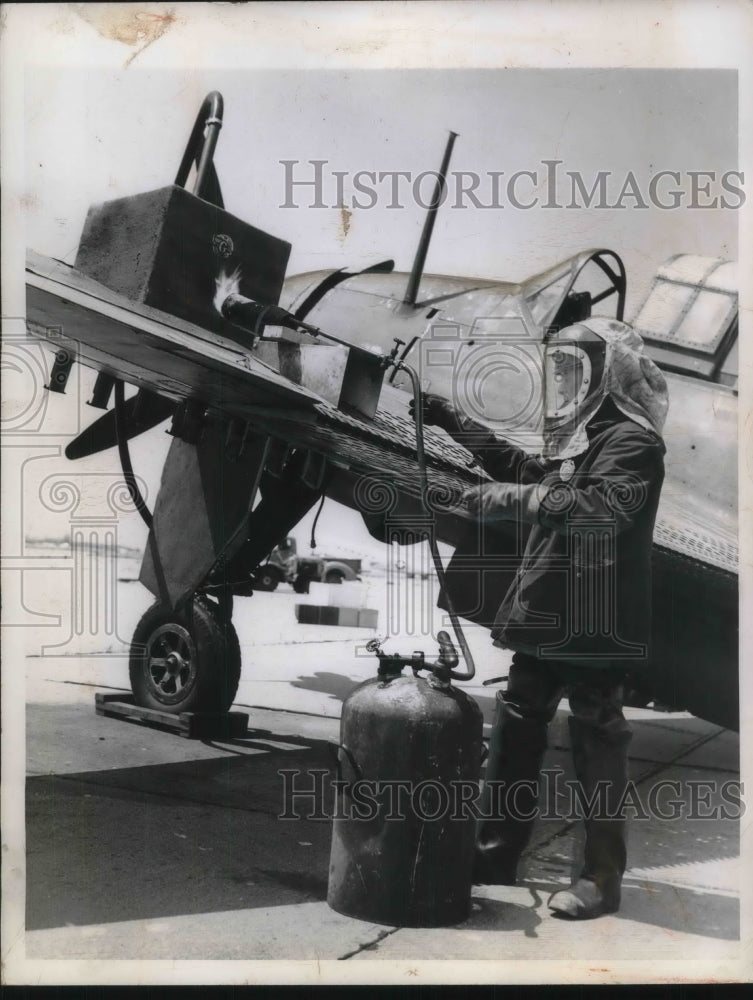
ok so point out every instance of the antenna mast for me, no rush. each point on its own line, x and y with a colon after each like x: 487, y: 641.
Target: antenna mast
x: 417, y: 270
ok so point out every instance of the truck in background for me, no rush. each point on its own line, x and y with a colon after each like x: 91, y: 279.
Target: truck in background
x: 284, y: 565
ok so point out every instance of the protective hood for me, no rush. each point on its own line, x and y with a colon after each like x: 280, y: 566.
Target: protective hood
x: 621, y: 371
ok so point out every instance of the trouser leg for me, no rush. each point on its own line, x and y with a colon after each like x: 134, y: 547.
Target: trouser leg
x: 599, y: 736
x: 516, y: 749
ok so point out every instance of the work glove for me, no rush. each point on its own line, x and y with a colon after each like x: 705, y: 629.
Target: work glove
x: 438, y: 411
x: 505, y: 501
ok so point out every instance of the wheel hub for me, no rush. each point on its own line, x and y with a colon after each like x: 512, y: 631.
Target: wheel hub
x: 172, y: 662
x: 175, y: 663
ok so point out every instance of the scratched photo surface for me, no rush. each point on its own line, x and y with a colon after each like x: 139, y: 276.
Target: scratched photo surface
x: 220, y: 293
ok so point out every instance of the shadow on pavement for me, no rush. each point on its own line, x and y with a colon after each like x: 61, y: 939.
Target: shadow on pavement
x: 496, y: 915
x: 339, y: 687
x: 672, y: 908
x: 204, y: 836
x: 169, y: 839
x: 326, y: 682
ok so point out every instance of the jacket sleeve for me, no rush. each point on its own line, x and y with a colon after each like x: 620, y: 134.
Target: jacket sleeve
x: 614, y: 490
x: 503, y: 461
x: 508, y: 464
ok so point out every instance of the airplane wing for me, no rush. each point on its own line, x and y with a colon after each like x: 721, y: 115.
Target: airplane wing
x: 695, y: 541
x: 147, y: 347
x: 169, y: 356
x: 166, y: 355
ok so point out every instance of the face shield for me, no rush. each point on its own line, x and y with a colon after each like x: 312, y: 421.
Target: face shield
x: 574, y: 365
x: 583, y: 364
x: 567, y: 377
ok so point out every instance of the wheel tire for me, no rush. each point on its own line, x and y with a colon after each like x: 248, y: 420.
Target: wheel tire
x: 230, y: 674
x: 334, y: 576
x: 265, y: 579
x: 185, y: 661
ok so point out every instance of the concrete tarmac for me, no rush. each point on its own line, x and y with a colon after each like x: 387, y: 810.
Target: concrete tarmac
x: 144, y: 845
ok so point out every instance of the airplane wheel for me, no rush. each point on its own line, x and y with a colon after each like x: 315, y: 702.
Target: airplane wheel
x: 231, y: 674
x: 185, y: 661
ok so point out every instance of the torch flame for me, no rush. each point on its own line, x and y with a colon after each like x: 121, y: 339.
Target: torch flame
x: 227, y: 284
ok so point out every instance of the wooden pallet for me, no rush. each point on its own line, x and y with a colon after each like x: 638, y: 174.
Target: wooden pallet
x: 190, y: 725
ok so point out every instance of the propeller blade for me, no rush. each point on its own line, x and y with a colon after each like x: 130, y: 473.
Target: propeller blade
x: 142, y: 412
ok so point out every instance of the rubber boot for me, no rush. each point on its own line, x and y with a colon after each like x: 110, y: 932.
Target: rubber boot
x: 600, y: 759
x: 516, y: 752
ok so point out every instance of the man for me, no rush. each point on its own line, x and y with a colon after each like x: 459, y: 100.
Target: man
x: 577, y: 612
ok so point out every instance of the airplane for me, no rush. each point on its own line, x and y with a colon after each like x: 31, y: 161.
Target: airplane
x: 284, y: 390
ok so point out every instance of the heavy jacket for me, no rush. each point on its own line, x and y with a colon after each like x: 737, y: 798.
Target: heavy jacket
x: 582, y: 589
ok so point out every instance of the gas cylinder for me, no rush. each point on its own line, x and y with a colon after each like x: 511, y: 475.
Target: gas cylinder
x: 403, y: 830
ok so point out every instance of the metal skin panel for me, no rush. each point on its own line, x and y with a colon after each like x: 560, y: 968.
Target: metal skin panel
x: 349, y: 378
x: 698, y: 507
x: 695, y: 637
x: 450, y: 343
x: 433, y: 286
